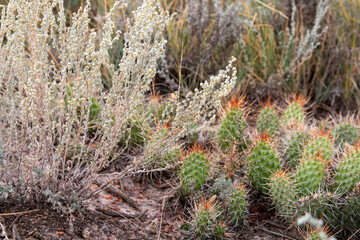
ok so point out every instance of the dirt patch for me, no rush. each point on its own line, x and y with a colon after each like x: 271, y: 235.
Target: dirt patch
x: 108, y: 216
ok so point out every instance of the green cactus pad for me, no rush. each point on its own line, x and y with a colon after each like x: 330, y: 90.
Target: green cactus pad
x: 295, y: 148
x: 194, y: 172
x: 232, y: 128
x: 320, y: 146
x: 283, y: 194
x: 237, y: 206
x: 345, y: 133
x: 206, y: 223
x: 348, y: 173
x: 262, y: 162
x: 268, y: 121
x: 350, y: 212
x: 294, y: 114
x: 309, y: 175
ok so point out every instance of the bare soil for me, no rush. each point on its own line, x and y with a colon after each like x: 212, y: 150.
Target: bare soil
x: 160, y: 215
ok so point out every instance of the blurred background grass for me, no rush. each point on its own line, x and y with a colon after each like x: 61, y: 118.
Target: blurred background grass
x: 204, y: 34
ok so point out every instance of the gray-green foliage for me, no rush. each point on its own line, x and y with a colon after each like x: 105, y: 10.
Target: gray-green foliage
x: 350, y: 212
x: 222, y: 187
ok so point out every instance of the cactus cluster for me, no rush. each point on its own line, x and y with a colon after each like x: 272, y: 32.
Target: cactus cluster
x: 296, y: 164
x: 321, y: 146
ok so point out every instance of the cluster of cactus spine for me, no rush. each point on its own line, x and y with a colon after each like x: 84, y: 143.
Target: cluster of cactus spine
x: 345, y: 133
x: 233, y: 124
x: 268, y: 120
x: 194, y: 171
x: 294, y: 113
x: 238, y: 206
x: 262, y: 162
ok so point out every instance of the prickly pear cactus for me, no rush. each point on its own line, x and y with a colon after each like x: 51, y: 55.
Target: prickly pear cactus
x: 320, y: 146
x: 206, y: 223
x: 295, y: 148
x: 348, y: 173
x: 345, y: 133
x: 262, y: 162
x: 294, y: 114
x: 232, y: 128
x: 237, y: 206
x: 309, y: 175
x: 268, y: 121
x: 194, y: 172
x: 283, y: 194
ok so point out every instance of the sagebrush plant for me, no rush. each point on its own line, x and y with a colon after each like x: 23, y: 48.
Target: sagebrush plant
x: 50, y: 74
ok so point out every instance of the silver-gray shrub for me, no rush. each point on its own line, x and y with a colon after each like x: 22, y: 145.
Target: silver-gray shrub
x: 50, y: 77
